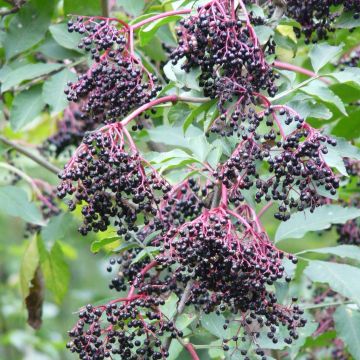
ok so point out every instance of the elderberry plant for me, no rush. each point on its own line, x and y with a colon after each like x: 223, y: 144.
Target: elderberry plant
x: 196, y: 140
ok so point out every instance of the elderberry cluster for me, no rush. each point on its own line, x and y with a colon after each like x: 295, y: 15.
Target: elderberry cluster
x: 132, y: 330
x: 231, y: 262
x: 352, y: 58
x: 229, y: 55
x: 107, y: 173
x: 70, y: 131
x: 117, y: 82
x: 297, y: 166
x: 317, y: 17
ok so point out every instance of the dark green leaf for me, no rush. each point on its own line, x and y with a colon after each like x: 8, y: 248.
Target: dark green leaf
x: 79, y: 7
x: 322, y: 218
x: 320, y: 91
x: 147, y: 32
x: 342, y: 278
x: 27, y: 72
x: 263, y: 33
x: 55, y: 269
x: 26, y: 107
x: 347, y: 21
x: 28, y: 26
x: 14, y: 202
x: 323, y: 53
x: 98, y: 245
x: 348, y: 127
x: 61, y: 35
x: 132, y: 7
x: 347, y: 325
x: 53, y: 90
x: 343, y: 251
x: 29, y: 264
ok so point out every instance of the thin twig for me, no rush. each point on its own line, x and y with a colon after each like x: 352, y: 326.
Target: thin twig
x: 39, y: 160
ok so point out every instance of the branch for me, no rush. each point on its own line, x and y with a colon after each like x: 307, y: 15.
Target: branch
x: 162, y: 100
x: 105, y: 8
x: 300, y: 70
x: 159, y: 16
x: 39, y: 160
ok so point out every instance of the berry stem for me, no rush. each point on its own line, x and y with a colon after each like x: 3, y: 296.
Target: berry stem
x: 149, y: 105
x: 148, y: 267
x: 159, y: 16
x: 31, y: 182
x: 190, y: 348
x: 39, y: 160
x: 298, y: 69
x: 264, y: 209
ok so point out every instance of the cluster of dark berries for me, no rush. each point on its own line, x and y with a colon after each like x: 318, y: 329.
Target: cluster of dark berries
x: 297, y: 165
x: 351, y: 58
x: 317, y: 17
x: 117, y: 82
x: 107, y: 173
x: 230, y: 262
x: 228, y: 53
x: 349, y: 233
x: 134, y: 329
x: 70, y: 131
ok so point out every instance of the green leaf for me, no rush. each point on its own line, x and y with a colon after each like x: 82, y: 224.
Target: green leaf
x: 53, y: 90
x: 343, y: 251
x: 28, y: 26
x: 134, y: 8
x: 182, y: 78
x: 98, y: 245
x: 178, y: 113
x: 29, y: 264
x: 342, y: 278
x: 347, y: 325
x: 26, y: 106
x: 195, y: 113
x: 213, y: 323
x: 323, y: 53
x: 348, y: 127
x: 263, y: 33
x: 184, y: 320
x: 309, y: 108
x: 14, y: 202
x: 200, y: 147
x: 345, y: 149
x: 55, y: 269
x: 27, y: 72
x: 347, y: 21
x: 147, y: 32
x: 322, y: 218
x: 57, y: 227
x: 321, y: 92
x: 64, y: 38
x: 334, y: 159
x: 78, y: 7
x: 146, y: 252
x: 170, y: 306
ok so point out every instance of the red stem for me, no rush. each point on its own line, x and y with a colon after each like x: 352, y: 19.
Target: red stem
x: 264, y: 209
x: 160, y: 16
x: 148, y: 267
x: 190, y: 348
x: 298, y: 69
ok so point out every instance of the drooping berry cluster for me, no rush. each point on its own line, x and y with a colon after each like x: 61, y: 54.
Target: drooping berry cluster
x: 230, y: 261
x: 317, y: 17
x: 70, y: 131
x: 117, y: 82
x: 296, y: 162
x: 229, y: 54
x: 349, y: 233
x: 107, y: 173
x: 132, y: 330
